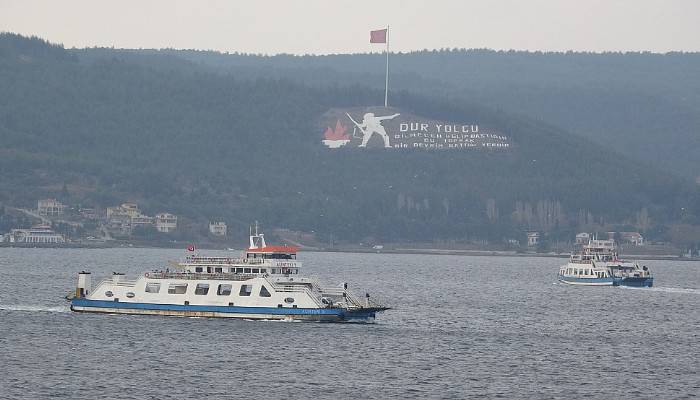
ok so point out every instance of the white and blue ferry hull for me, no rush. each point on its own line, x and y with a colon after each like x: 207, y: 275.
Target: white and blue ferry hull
x: 242, y: 312
x: 587, y: 281
x: 614, y: 281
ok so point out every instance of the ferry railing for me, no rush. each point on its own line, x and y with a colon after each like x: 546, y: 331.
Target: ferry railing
x: 295, y: 288
x: 121, y: 282
x: 222, y: 276
x: 351, y: 300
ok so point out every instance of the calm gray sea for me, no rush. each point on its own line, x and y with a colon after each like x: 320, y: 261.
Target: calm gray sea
x: 461, y: 327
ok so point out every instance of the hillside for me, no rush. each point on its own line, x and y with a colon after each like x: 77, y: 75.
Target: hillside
x: 177, y: 136
x: 642, y: 104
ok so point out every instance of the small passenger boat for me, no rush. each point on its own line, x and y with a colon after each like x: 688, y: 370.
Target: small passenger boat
x: 265, y: 283
x: 597, y: 264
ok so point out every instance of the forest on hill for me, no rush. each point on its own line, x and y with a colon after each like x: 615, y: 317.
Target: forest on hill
x: 644, y: 105
x: 204, y: 142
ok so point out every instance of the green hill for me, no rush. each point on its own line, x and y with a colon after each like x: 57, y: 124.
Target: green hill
x: 178, y: 136
x: 641, y: 104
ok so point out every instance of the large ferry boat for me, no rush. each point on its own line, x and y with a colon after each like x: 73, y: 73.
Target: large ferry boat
x: 597, y: 264
x: 265, y: 283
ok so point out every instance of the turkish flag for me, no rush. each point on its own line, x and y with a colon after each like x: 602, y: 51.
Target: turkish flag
x: 377, y: 36
x: 190, y: 247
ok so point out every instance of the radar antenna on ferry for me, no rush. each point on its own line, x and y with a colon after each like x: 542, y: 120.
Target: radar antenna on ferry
x: 257, y: 240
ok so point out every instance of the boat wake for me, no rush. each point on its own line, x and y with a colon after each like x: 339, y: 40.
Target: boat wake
x: 31, y: 308
x: 664, y: 289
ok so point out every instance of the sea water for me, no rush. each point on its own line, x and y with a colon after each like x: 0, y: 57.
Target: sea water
x: 460, y: 327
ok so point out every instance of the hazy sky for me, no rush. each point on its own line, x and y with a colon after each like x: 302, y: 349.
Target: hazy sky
x: 327, y: 26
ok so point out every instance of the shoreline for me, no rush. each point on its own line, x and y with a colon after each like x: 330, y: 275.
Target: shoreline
x: 416, y: 251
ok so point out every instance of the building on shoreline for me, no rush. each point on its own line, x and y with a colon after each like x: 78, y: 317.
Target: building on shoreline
x: 125, y: 218
x: 583, y: 238
x: 218, y: 228
x: 165, y: 222
x: 39, y: 234
x: 50, y: 207
x: 129, y: 209
x: 533, y: 239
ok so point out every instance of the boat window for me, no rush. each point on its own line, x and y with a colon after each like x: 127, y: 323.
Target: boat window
x: 246, y: 270
x: 152, y: 287
x: 224, y: 290
x: 198, y: 269
x: 177, y: 288
x: 275, y: 271
x: 109, y: 293
x: 263, y: 270
x: 246, y: 290
x: 217, y: 269
x: 232, y: 270
x: 202, y: 289
x: 256, y: 270
x: 239, y: 270
x: 289, y: 300
x: 264, y: 292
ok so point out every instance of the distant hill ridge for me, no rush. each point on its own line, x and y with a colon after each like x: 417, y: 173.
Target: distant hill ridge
x: 640, y: 103
x: 178, y: 136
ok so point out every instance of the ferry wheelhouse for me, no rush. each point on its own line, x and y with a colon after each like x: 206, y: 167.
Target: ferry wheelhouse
x: 265, y: 283
x: 597, y: 264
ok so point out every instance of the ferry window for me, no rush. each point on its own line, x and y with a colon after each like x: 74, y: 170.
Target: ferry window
x: 224, y: 290
x: 177, y: 288
x: 246, y: 270
x: 233, y: 270
x: 198, y: 269
x: 202, y: 289
x: 246, y: 290
x: 275, y: 271
x: 256, y: 270
x: 239, y: 270
x: 109, y: 293
x: 152, y: 287
x: 217, y: 269
x: 263, y: 270
x: 264, y: 292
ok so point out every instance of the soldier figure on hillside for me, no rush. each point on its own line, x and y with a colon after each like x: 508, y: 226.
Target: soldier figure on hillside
x: 372, y: 124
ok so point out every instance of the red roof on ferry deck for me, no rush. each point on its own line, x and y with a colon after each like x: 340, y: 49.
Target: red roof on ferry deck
x: 274, y: 249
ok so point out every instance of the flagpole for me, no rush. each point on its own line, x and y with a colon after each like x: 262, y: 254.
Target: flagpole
x: 386, y: 82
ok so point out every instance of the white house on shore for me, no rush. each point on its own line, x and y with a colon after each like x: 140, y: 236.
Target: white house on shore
x: 583, y: 238
x: 533, y: 239
x: 165, y: 222
x: 50, y: 207
x: 218, y: 228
